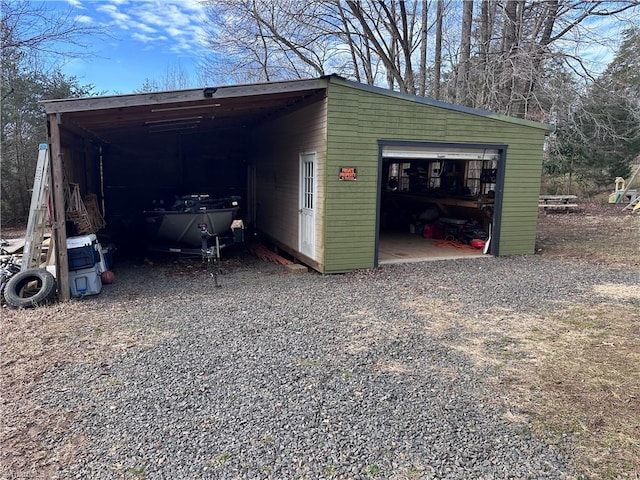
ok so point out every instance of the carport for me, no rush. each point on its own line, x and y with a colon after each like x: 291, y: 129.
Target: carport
x: 138, y: 151
x: 325, y: 167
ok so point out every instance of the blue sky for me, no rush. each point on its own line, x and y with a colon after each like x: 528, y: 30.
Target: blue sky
x: 145, y: 39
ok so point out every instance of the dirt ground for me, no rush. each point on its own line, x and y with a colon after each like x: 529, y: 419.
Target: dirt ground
x: 595, y: 232
x: 589, y: 400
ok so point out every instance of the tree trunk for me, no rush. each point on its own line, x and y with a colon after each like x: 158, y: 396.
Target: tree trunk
x: 485, y: 31
x: 437, y: 61
x: 349, y: 39
x: 508, y: 53
x: 462, y: 79
x: 387, y: 58
x: 401, y: 43
x: 537, y: 57
x: 422, y: 82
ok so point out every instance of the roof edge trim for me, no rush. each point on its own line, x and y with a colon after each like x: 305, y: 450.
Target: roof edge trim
x: 179, y: 96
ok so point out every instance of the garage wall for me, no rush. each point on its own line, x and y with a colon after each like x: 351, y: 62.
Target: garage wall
x: 277, y: 147
x: 80, y: 160
x: 358, y: 118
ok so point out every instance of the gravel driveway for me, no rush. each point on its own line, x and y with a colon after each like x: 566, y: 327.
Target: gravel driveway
x: 282, y: 376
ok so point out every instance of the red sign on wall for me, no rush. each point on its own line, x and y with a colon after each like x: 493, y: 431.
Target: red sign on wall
x: 348, y: 174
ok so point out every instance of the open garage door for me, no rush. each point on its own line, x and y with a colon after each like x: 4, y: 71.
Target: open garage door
x: 438, y: 200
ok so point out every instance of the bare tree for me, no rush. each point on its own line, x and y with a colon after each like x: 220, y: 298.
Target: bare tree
x: 359, y: 52
x: 517, y: 40
x: 489, y: 54
x: 252, y: 40
x: 484, y: 72
x: 424, y: 35
x: 314, y: 38
x: 395, y: 35
x: 33, y: 29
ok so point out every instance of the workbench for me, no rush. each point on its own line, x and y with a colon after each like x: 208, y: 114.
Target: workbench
x: 486, y: 206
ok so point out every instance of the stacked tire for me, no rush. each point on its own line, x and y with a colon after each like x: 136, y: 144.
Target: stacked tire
x: 30, y: 288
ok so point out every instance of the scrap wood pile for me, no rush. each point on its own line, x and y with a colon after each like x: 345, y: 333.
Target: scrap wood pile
x: 85, y: 215
x: 263, y: 253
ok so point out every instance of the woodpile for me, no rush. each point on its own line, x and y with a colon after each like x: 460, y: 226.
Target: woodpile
x: 263, y: 253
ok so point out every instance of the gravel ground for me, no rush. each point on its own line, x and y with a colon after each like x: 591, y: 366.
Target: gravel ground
x: 282, y: 376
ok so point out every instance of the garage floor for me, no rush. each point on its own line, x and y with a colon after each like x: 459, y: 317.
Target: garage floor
x: 406, y: 248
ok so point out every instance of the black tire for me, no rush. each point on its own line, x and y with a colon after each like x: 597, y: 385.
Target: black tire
x: 30, y: 288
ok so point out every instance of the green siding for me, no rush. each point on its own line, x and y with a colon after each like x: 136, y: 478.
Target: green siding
x: 358, y: 118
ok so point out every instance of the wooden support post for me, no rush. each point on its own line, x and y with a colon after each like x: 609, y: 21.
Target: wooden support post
x: 59, y: 220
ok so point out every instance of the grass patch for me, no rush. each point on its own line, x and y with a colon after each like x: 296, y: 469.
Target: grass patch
x: 372, y: 470
x: 330, y: 470
x: 223, y: 458
x: 590, y: 376
x: 138, y: 472
x: 573, y: 378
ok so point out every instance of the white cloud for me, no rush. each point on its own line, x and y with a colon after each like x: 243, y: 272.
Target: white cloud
x: 144, y: 27
x: 143, y: 38
x: 76, y: 4
x: 84, y: 19
x: 176, y: 32
x: 119, y: 18
x: 180, y: 22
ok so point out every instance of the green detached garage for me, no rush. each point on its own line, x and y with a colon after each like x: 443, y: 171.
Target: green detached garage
x: 328, y: 169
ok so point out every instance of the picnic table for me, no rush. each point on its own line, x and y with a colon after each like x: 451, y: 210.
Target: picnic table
x: 557, y: 202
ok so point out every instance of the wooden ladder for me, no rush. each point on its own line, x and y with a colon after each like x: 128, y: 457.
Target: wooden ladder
x: 38, y: 211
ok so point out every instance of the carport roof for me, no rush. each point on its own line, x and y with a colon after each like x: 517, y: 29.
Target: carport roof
x: 232, y: 107
x: 109, y: 118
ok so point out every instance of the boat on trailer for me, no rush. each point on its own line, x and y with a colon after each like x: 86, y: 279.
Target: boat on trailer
x: 191, y: 218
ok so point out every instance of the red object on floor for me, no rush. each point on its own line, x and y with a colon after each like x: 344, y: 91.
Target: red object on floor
x: 477, y: 243
x: 107, y: 277
x: 452, y: 244
x: 438, y: 230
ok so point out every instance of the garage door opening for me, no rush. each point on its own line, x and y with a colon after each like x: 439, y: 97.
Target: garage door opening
x: 437, y: 201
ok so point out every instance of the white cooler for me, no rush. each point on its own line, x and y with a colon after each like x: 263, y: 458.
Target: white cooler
x: 85, y: 282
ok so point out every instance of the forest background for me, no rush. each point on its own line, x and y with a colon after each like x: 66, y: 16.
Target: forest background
x: 524, y: 58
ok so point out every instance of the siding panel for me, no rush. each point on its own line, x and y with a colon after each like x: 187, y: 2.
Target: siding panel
x: 279, y: 144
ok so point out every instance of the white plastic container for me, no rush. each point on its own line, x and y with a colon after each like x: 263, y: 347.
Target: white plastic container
x: 81, y: 241
x: 85, y: 282
x: 83, y: 252
x: 103, y: 264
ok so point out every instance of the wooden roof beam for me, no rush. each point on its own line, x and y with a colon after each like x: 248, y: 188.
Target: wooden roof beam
x: 205, y: 96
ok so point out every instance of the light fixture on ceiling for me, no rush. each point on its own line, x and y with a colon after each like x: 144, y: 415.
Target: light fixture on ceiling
x: 188, y: 107
x: 171, y: 120
x: 176, y: 125
x: 171, y: 128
